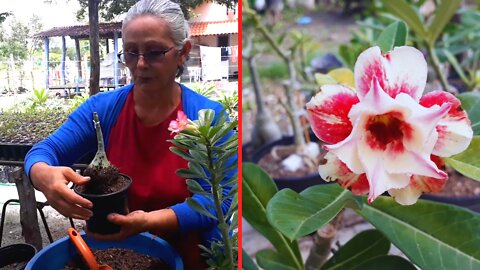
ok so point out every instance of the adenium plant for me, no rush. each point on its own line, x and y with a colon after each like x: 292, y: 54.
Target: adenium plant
x: 210, y: 147
x: 384, y: 135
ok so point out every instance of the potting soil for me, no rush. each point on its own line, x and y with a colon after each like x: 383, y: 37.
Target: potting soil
x: 120, y: 259
x: 103, y: 181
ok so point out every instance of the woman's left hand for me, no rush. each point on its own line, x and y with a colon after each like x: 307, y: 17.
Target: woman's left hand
x: 131, y: 224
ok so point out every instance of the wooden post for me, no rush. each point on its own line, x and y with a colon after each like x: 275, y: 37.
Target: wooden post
x: 115, y: 60
x: 28, y: 209
x: 46, y: 59
x: 79, y: 58
x: 107, y: 46
x: 94, y: 44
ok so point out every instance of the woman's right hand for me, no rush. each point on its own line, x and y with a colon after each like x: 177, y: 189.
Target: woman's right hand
x: 52, y: 181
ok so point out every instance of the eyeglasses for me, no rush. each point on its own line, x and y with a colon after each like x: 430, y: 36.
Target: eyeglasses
x: 150, y: 57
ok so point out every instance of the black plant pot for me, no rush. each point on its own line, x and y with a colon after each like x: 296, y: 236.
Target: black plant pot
x: 296, y: 183
x: 16, y: 255
x: 470, y: 202
x: 14, y: 152
x: 105, y: 204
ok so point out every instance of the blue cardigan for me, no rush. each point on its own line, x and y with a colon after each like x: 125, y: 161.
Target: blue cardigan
x: 76, y: 138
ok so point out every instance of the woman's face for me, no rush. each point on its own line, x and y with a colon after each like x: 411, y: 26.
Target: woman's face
x: 159, y: 58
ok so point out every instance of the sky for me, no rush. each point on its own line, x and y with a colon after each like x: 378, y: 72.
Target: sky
x: 60, y: 14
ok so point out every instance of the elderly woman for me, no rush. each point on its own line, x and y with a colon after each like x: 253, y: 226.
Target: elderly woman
x: 135, y: 121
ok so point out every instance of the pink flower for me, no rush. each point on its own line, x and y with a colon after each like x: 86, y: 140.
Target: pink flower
x: 176, y: 126
x: 386, y: 136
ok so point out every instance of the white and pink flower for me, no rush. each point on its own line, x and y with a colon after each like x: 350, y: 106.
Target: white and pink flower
x: 386, y: 136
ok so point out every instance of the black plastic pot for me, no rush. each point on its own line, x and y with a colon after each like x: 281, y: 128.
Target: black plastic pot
x: 14, y: 152
x: 106, y: 204
x: 18, y: 254
x: 296, y: 183
x: 470, y: 202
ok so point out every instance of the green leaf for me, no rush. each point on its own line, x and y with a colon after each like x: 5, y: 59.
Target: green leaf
x: 443, y: 14
x: 233, y: 207
x: 386, y: 262
x: 393, y: 36
x: 468, y: 162
x: 199, y: 208
x: 296, y: 215
x: 180, y: 153
x: 247, y: 262
x: 196, y: 188
x: 471, y: 104
x: 453, y: 61
x: 363, y: 247
x: 271, y: 260
x: 197, y: 169
x: 405, y: 12
x: 205, y: 117
x: 257, y: 189
x: 428, y: 232
x: 186, y: 173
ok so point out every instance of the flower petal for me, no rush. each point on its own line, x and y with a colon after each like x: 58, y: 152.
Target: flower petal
x: 454, y: 130
x: 403, y: 70
x: 332, y: 169
x: 328, y: 113
x: 419, y: 184
x: 405, y: 196
x: 378, y: 178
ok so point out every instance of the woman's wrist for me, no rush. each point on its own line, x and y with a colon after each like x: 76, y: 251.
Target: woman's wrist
x: 162, y: 222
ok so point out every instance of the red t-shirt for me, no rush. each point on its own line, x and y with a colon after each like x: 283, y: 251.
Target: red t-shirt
x: 142, y: 153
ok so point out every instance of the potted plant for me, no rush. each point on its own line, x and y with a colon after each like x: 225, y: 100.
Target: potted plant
x: 107, y: 189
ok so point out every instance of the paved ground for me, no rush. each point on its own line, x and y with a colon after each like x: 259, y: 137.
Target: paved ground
x: 12, y: 232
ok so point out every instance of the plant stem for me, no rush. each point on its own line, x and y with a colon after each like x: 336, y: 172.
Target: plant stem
x: 436, y: 67
x: 100, y: 157
x: 217, y: 194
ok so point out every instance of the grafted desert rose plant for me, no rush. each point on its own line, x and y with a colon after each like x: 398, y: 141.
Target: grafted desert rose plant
x: 210, y: 147
x: 384, y: 135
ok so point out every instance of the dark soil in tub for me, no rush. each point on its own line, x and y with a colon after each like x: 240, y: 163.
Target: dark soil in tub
x: 120, y: 259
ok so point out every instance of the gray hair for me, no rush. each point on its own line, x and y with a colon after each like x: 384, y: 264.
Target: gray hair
x: 167, y: 11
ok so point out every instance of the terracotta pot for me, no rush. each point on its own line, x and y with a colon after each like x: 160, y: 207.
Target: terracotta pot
x: 105, y: 204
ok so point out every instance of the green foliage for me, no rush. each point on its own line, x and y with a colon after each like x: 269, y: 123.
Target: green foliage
x: 386, y: 262
x: 362, y: 247
x: 275, y: 71
x: 30, y: 126
x: 76, y: 101
x: 425, y: 232
x: 206, y: 89
x: 471, y: 104
x: 39, y: 97
x: 109, y: 9
x: 230, y: 103
x: 210, y: 159
x: 297, y: 215
x: 394, y: 35
x: 468, y: 162
x: 257, y: 190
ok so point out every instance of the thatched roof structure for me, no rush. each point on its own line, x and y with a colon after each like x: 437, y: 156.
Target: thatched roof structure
x: 106, y: 30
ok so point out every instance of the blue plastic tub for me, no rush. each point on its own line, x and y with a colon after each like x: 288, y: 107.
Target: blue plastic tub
x: 56, y: 255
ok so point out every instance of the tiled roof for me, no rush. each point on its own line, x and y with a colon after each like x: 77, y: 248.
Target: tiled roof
x: 213, y: 28
x: 82, y: 31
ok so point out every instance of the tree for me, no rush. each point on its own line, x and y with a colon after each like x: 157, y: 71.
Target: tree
x: 108, y: 9
x: 94, y: 86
